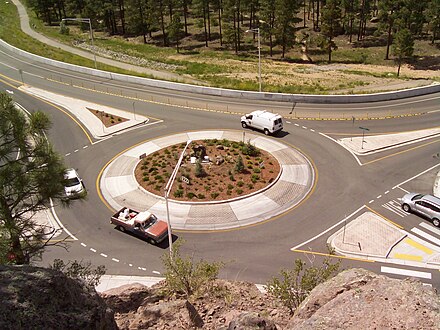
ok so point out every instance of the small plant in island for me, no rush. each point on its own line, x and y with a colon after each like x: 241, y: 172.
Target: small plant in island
x: 292, y: 286
x: 239, y: 166
x: 250, y: 150
x: 199, y: 171
x: 186, y: 276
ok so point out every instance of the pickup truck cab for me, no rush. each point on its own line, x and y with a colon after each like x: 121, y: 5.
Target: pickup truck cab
x: 143, y: 224
x: 268, y: 122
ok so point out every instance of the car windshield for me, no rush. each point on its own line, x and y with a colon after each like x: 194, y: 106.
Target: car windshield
x: 419, y: 196
x: 72, y: 182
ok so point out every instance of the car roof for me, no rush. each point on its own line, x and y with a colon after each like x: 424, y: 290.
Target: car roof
x: 432, y: 199
x: 70, y: 173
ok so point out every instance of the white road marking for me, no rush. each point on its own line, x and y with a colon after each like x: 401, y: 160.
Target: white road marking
x: 415, y: 176
x: 378, y: 196
x: 143, y: 268
x: 114, y: 259
x: 9, y: 92
x: 391, y: 206
x: 92, y: 249
x: 59, y: 222
x: 406, y: 191
x: 85, y: 147
x: 427, y: 284
x: 297, y: 125
x: 156, y: 272
x: 312, y: 130
x: 406, y: 272
x: 351, y: 152
x: 288, y: 122
x: 68, y: 154
x: 371, y: 201
x: 430, y: 228
x: 304, y: 127
x: 76, y: 150
x: 386, y: 192
x: 426, y: 235
x: 327, y: 230
x: 104, y: 255
x: 131, y: 265
x: 83, y: 245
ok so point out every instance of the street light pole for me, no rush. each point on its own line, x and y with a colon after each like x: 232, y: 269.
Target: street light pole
x: 85, y: 20
x: 257, y: 31
x: 167, y: 192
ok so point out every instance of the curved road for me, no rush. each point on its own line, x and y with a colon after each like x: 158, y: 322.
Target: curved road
x: 254, y: 253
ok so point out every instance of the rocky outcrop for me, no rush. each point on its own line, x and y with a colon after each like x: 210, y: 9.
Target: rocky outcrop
x: 360, y: 299
x: 40, y: 298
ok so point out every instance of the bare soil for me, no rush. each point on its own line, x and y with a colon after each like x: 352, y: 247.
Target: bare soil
x: 107, y: 119
x: 219, y: 180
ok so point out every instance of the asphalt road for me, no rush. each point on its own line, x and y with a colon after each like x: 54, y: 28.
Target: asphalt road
x: 254, y: 253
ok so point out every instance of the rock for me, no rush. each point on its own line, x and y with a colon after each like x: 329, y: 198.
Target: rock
x: 41, y: 298
x: 219, y: 147
x: 219, y: 160
x: 360, y: 299
x: 251, y: 321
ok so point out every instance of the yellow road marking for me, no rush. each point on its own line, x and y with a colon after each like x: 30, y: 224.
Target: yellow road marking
x: 418, y: 246
x: 332, y: 255
x: 407, y: 257
x: 9, y: 78
x: 383, y: 217
x: 400, y: 152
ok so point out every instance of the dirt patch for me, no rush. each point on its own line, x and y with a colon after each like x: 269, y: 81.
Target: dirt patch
x: 107, y: 119
x: 218, y: 177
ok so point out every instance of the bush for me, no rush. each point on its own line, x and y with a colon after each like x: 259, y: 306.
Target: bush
x: 239, y: 191
x: 250, y: 149
x: 257, y: 170
x: 295, y: 285
x: 190, y: 195
x: 231, y: 177
x: 80, y: 270
x: 201, y: 196
x: 230, y: 187
x: 239, y: 166
x: 187, y: 277
x: 240, y: 183
x: 199, y: 171
x: 178, y: 193
x: 214, y: 195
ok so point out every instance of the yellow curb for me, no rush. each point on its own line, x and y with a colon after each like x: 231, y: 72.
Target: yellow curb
x: 418, y: 246
x: 407, y: 257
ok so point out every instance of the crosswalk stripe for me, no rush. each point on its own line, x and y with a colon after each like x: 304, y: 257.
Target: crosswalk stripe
x: 418, y: 246
x: 404, y: 256
x: 391, y: 206
x: 426, y: 235
x: 406, y: 272
x: 430, y: 228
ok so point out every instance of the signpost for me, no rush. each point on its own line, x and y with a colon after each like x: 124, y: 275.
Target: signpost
x: 363, y: 135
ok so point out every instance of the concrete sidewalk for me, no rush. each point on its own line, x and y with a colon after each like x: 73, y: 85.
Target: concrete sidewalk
x: 371, y: 237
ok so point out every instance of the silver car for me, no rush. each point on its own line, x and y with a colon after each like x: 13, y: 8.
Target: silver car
x: 426, y: 205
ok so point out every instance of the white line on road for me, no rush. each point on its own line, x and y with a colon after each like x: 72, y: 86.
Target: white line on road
x: 85, y: 147
x: 83, y: 245
x: 52, y: 208
x: 104, y: 255
x: 430, y: 228
x: 327, y: 230
x: 426, y: 235
x: 386, y: 192
x: 406, y: 272
x: 297, y: 125
x: 68, y: 154
x: 76, y: 150
x: 92, y: 249
x: 351, y: 152
x: 131, y: 265
x: 114, y: 259
x: 371, y: 201
x: 378, y: 196
x: 156, y: 272
x: 312, y: 130
x: 406, y: 191
x: 415, y: 176
x: 393, y: 209
x: 304, y: 127
x: 288, y: 122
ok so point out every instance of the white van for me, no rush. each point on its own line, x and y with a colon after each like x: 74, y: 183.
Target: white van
x: 266, y: 121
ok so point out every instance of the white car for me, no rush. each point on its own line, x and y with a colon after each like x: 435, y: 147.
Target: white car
x: 74, y: 186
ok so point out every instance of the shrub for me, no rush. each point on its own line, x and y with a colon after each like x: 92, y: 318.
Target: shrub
x: 228, y: 192
x: 250, y: 167
x: 190, y: 195
x: 178, y: 193
x: 239, y: 166
x: 119, y: 119
x: 166, y: 151
x: 157, y: 187
x: 230, y: 187
x: 257, y: 170
x: 199, y: 171
x: 158, y: 177
x: 145, y: 179
x: 250, y: 149
x: 231, y: 177
x: 214, y: 195
x: 239, y: 191
x: 80, y: 270
x: 145, y: 173
x: 201, y: 196
x: 250, y: 186
x: 295, y: 285
x: 240, y: 183
x: 207, y: 188
x: 185, y: 276
x: 152, y: 169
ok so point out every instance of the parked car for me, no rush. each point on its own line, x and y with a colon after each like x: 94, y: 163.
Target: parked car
x: 426, y: 205
x: 74, y: 186
x: 268, y: 122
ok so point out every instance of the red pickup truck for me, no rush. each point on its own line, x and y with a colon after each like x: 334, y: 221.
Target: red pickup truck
x: 143, y: 224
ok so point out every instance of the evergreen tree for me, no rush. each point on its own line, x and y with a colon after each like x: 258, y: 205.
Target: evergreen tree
x: 403, y: 46
x: 331, y: 26
x: 286, y: 13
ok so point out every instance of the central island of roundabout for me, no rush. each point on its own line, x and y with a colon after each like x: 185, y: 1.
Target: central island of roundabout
x: 292, y: 184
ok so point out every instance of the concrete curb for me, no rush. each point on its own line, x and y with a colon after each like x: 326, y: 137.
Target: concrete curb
x: 280, y: 97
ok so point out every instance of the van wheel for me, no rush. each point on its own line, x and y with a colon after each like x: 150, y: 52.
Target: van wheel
x: 266, y: 131
x: 120, y: 228
x: 406, y: 208
x: 436, y: 222
x: 243, y: 124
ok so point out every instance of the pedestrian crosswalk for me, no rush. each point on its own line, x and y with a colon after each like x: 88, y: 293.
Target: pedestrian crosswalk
x: 394, y: 206
x: 425, y: 276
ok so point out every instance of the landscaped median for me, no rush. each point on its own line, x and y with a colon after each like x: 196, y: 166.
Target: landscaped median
x: 290, y: 186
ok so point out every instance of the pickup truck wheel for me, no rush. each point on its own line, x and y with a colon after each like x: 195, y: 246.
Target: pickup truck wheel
x: 436, y: 222
x: 152, y: 241
x: 406, y: 208
x: 243, y: 124
x: 266, y: 131
x: 120, y: 228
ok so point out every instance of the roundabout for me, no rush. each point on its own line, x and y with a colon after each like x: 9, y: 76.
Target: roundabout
x: 293, y: 184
